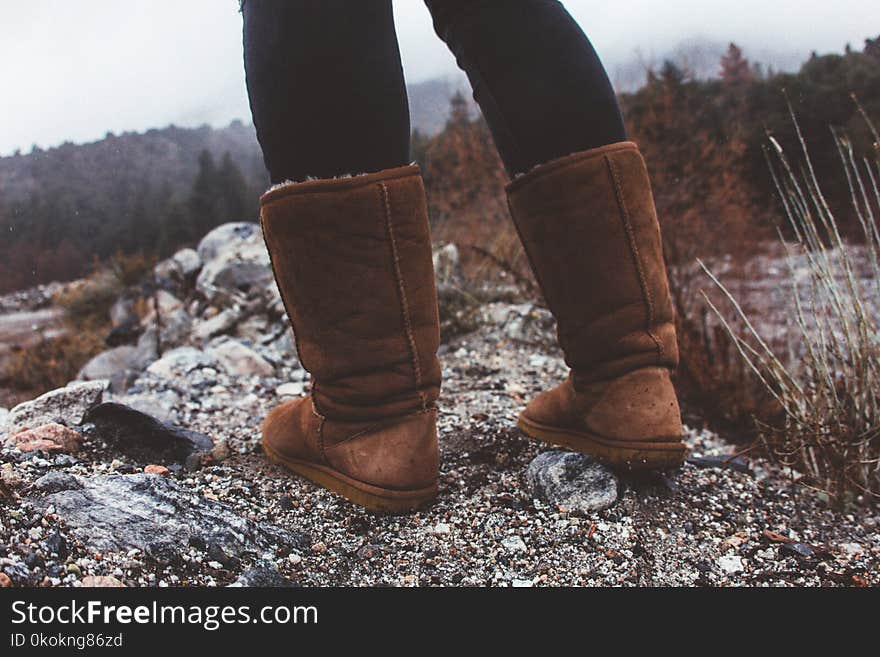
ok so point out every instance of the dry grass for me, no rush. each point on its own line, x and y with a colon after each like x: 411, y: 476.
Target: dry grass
x: 53, y: 362
x: 828, y: 386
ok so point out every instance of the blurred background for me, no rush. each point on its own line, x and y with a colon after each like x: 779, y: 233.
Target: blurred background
x: 127, y: 138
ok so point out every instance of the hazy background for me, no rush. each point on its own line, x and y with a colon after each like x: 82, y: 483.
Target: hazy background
x: 75, y: 70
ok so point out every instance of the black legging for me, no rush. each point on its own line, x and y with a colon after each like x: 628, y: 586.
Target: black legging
x: 328, y: 97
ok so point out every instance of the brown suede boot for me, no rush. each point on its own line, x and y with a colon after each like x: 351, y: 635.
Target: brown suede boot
x: 352, y: 258
x: 589, y: 227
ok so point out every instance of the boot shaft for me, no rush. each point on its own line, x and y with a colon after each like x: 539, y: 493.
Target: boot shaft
x: 352, y: 258
x: 590, y: 230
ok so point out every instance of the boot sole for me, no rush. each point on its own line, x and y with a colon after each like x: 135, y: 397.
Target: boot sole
x: 623, y: 454
x: 372, y: 498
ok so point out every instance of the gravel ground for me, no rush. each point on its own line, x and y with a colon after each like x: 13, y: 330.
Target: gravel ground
x: 711, y: 523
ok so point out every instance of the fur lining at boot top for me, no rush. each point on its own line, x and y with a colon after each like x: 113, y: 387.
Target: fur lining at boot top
x: 286, y: 183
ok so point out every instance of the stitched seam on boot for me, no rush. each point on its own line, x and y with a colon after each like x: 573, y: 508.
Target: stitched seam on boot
x: 634, y: 250
x: 322, y: 419
x: 401, y: 291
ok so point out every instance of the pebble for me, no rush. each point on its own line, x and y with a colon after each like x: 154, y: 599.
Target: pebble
x: 514, y: 544
x: 101, y: 581
x: 292, y: 389
x: 731, y: 564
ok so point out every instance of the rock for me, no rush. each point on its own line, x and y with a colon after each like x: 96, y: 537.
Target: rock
x: 125, y: 322
x: 173, y: 331
x: 178, y: 270
x: 228, y: 236
x: 799, y: 550
x: 160, y: 404
x: 221, y: 451
x: 262, y: 574
x: 9, y: 476
x: 160, y: 470
x: 221, y: 323
x: 447, y: 266
x: 253, y: 329
x: 102, y: 581
x: 292, y: 389
x: 236, y: 275
x: 514, y: 544
x: 143, y: 436
x: 179, y: 362
x: 51, y: 437
x: 851, y: 549
x: 156, y: 515
x: 189, y: 262
x: 523, y: 322
x: 571, y: 481
x: 731, y: 564
x: 239, y: 360
x: 109, y: 364
x: 165, y: 302
x: 720, y: 461
x: 65, y: 406
x: 5, y: 582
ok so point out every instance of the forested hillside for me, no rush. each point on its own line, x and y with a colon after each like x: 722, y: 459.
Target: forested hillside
x: 63, y: 208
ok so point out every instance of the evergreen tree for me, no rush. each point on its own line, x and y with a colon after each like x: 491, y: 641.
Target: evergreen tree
x: 735, y: 68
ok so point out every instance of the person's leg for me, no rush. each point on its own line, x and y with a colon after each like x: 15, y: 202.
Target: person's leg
x: 535, y: 75
x: 326, y: 87
x: 351, y: 254
x: 585, y: 214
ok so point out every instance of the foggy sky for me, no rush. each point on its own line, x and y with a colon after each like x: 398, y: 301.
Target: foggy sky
x: 73, y: 70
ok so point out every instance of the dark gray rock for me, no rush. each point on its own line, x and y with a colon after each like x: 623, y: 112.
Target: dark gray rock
x: 723, y: 461
x: 143, y: 436
x: 799, y: 550
x: 154, y: 514
x: 263, y: 574
x: 572, y: 481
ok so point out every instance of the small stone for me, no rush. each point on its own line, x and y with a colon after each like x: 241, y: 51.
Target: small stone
x: 851, y: 548
x: 441, y: 528
x: 797, y: 549
x: 292, y: 389
x: 572, y: 482
x: 319, y: 548
x: 221, y: 451
x: 102, y: 581
x: 263, y: 574
x: 731, y: 564
x: 74, y: 569
x: 9, y: 476
x: 239, y: 360
x: 179, y: 362
x: 157, y: 470
x: 50, y: 437
x: 521, y: 583
x: 514, y: 544
x: 5, y: 582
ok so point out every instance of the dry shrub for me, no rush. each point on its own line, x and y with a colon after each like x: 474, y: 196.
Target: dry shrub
x: 828, y: 387
x: 53, y: 362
